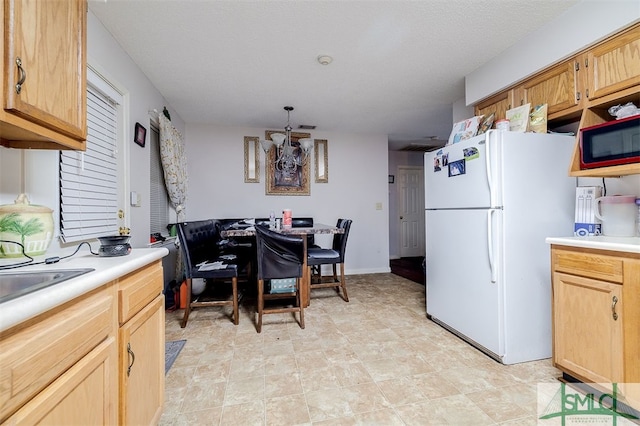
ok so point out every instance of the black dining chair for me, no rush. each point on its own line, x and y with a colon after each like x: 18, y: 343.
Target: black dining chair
x: 316, y: 257
x: 201, y: 247
x: 280, y: 258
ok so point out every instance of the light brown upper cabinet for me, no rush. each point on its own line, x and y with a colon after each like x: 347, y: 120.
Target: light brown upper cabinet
x: 581, y: 89
x: 43, y: 55
x: 614, y: 65
x: 556, y: 87
x: 498, y: 104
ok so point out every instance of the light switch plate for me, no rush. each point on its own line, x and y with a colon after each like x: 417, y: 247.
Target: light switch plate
x: 135, y: 199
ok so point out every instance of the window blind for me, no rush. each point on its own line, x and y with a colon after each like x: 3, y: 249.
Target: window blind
x: 88, y: 180
x: 159, y: 203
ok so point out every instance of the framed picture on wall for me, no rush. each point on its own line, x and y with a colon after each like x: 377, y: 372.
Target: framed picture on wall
x: 140, y: 135
x: 281, y: 182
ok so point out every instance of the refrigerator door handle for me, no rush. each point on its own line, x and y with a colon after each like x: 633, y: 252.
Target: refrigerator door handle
x: 490, y: 244
x: 488, y: 167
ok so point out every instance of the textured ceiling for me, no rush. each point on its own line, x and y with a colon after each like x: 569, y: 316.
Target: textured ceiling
x: 397, y: 65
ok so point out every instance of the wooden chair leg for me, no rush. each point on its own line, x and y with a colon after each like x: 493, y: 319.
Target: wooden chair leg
x: 260, y: 304
x: 236, y: 316
x: 187, y: 307
x: 300, y: 304
x: 343, y: 283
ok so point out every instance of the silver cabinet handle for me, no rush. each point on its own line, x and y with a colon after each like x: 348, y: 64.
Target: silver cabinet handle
x: 23, y: 75
x: 613, y: 308
x: 133, y: 359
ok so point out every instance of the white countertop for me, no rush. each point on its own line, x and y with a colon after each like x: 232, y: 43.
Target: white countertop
x: 624, y: 244
x: 15, y: 311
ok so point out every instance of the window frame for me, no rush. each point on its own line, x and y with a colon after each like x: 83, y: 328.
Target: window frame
x: 92, y: 210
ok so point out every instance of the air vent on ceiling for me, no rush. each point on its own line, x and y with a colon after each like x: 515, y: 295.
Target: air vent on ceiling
x: 421, y: 147
x: 306, y: 127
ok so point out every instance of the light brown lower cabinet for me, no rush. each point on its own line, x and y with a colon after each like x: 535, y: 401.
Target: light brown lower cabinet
x: 596, y: 318
x: 81, y: 396
x: 141, y: 346
x: 588, y: 340
x: 141, y: 369
x: 96, y: 360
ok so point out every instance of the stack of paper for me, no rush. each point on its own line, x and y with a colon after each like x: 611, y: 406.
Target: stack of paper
x: 206, y: 266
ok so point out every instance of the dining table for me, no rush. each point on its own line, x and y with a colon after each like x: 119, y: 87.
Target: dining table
x: 317, y: 228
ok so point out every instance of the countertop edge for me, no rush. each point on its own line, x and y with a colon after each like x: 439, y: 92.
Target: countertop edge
x: 16, y: 311
x: 621, y: 244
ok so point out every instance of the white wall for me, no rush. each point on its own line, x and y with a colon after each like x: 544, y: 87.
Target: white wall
x: 358, y: 170
x: 626, y: 185
x: 581, y: 25
x: 35, y: 171
x: 357, y: 181
x: 461, y: 111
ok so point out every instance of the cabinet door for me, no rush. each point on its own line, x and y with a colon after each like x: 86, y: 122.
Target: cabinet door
x: 45, y: 54
x: 588, y: 340
x: 39, y: 352
x: 614, y: 66
x: 84, y: 395
x: 555, y: 87
x: 142, y: 366
x: 499, y: 104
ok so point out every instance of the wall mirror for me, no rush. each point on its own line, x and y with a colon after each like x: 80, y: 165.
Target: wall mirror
x: 322, y: 160
x: 251, y: 159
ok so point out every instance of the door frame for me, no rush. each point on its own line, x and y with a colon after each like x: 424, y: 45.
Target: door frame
x: 401, y: 170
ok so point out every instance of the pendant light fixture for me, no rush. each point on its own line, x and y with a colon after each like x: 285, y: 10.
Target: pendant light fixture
x: 287, y: 158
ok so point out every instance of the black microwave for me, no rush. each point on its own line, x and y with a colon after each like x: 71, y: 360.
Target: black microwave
x: 611, y: 143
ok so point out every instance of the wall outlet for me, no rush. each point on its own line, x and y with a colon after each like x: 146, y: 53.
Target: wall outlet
x: 378, y: 206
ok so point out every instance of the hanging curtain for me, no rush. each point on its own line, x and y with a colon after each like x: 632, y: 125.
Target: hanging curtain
x: 174, y: 165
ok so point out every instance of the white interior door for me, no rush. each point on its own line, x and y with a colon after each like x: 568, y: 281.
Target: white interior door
x: 411, y: 211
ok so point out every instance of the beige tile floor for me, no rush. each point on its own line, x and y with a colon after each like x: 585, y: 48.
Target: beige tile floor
x: 376, y: 360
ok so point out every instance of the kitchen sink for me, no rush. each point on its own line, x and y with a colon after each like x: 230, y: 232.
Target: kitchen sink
x: 16, y: 284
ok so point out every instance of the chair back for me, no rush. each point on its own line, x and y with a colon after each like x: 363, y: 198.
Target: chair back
x: 340, y: 240
x: 304, y: 222
x: 296, y: 222
x: 279, y: 256
x: 198, y: 240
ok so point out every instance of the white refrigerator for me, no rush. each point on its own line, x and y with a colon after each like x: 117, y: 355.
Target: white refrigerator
x: 490, y: 203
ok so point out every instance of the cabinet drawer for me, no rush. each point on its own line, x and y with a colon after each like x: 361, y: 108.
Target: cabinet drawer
x: 85, y: 394
x: 590, y: 265
x: 137, y: 289
x: 35, y: 356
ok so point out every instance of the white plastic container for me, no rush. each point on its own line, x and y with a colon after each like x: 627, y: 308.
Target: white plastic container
x: 502, y: 124
x: 618, y: 215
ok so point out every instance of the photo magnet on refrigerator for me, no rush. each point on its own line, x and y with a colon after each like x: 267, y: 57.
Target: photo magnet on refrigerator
x: 457, y: 168
x: 470, y: 153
